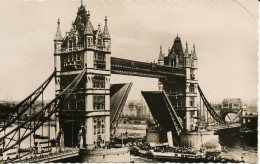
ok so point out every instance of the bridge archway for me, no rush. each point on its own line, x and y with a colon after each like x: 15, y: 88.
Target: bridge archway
x: 230, y: 115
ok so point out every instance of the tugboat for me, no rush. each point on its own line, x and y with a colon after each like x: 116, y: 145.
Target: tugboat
x: 249, y: 126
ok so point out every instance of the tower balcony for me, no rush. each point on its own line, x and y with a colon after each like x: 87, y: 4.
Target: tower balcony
x: 73, y: 49
x: 72, y: 66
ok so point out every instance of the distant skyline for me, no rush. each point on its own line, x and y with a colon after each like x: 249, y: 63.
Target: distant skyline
x: 225, y: 34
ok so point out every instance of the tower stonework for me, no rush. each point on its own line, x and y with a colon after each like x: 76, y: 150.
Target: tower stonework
x: 182, y: 92
x: 84, y: 117
x: 87, y: 110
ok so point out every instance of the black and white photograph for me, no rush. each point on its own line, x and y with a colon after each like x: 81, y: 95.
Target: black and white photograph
x: 129, y: 81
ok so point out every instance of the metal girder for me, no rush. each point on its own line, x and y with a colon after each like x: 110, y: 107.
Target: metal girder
x: 136, y: 68
x: 210, y: 109
x: 48, y: 110
x: 24, y: 105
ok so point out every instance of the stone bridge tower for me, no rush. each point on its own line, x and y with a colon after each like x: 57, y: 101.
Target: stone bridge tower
x: 182, y: 92
x: 85, y: 118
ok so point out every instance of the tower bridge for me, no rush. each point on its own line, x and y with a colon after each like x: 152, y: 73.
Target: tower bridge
x: 87, y: 107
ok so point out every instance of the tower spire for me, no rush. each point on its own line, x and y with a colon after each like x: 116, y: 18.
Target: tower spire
x: 58, y: 36
x: 186, y: 50
x: 106, y: 34
x: 194, y: 53
x: 89, y: 28
x: 161, y: 57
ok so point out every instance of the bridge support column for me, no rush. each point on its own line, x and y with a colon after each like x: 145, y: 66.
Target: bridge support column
x: 57, y: 128
x: 107, y: 126
x: 89, y: 133
x: 191, y: 97
x: 187, y: 121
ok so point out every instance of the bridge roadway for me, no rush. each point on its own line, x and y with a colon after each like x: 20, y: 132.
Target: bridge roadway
x: 47, y: 157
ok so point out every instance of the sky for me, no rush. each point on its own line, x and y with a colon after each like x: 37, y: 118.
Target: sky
x: 225, y: 33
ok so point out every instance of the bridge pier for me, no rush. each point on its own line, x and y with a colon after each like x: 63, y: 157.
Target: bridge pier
x: 105, y: 155
x: 89, y: 131
x: 200, y: 139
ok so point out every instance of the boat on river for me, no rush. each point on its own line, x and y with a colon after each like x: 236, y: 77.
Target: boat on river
x: 177, y: 154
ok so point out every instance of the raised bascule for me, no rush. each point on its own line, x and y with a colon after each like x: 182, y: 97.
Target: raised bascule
x: 87, y: 107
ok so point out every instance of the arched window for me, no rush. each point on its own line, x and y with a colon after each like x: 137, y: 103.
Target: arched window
x: 171, y: 62
x: 70, y: 44
x: 88, y: 42
x: 74, y: 43
x: 192, y: 90
x: 99, y: 125
x: 72, y: 103
x: 230, y: 105
x: 79, y: 20
x: 191, y: 101
x: 99, y: 102
x: 82, y: 26
x: 98, y: 82
x: 99, y: 42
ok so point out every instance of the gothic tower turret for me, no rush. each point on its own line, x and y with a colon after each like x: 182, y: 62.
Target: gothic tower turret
x: 57, y: 63
x: 106, y: 37
x: 194, y: 57
x: 88, y: 42
x: 161, y: 57
x: 187, y: 61
x: 58, y: 38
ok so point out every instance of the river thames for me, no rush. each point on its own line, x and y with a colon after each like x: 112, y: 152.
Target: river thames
x: 235, y: 145
x: 235, y: 148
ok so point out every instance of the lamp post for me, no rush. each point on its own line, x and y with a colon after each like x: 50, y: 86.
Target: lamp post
x: 122, y: 136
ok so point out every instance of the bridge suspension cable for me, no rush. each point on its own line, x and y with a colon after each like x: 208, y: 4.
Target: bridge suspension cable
x: 48, y: 110
x: 24, y: 105
x: 209, y: 108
